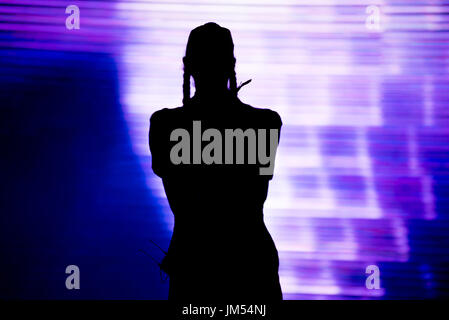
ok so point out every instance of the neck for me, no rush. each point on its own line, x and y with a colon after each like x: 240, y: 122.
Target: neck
x: 212, y: 94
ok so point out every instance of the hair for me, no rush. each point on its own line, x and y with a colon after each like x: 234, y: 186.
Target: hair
x: 186, y: 86
x: 201, y: 39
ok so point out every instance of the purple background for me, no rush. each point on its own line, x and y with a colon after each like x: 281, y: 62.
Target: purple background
x: 361, y: 176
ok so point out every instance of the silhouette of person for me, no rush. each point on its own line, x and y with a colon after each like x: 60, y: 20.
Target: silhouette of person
x: 220, y: 249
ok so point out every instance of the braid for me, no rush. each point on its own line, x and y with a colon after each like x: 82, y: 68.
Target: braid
x: 210, y: 46
x: 233, y: 83
x: 186, y: 87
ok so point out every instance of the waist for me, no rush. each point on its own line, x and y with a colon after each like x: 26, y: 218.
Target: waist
x: 220, y: 233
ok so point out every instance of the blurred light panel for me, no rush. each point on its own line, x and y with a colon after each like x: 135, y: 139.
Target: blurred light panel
x: 361, y: 173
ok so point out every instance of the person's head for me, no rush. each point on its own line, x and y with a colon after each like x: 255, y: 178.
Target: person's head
x: 210, y: 60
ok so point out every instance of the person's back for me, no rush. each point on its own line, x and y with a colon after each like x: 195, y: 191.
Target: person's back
x: 215, y: 156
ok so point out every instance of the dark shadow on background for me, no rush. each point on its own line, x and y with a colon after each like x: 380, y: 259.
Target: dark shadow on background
x: 72, y: 191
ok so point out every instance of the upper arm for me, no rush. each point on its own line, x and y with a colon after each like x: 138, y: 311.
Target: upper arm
x: 275, y: 122
x: 156, y: 143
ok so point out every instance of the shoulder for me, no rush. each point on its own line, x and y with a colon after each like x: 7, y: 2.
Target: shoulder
x: 265, y: 115
x: 165, y: 115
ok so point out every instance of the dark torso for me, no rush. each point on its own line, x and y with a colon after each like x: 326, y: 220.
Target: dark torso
x: 220, y: 246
